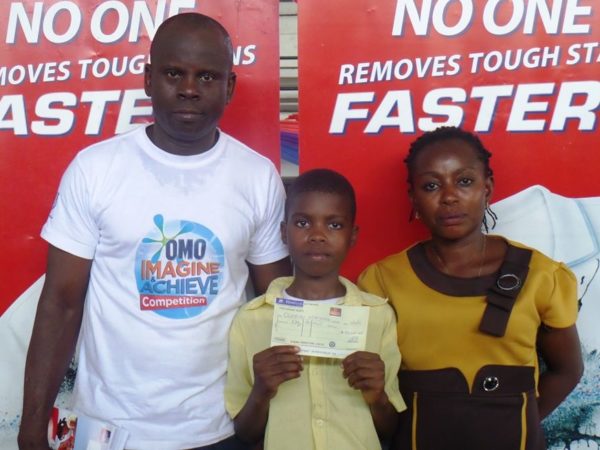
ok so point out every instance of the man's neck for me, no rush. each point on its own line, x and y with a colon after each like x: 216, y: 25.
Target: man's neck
x: 179, y: 147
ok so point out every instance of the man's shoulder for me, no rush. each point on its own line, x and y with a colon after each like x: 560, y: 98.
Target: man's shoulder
x: 109, y: 147
x: 243, y: 152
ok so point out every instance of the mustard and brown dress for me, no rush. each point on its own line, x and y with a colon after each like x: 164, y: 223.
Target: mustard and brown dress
x: 470, y: 386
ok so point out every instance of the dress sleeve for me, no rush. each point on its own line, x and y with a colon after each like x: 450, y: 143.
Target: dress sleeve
x: 239, y: 377
x: 370, y: 281
x: 561, y: 309
x: 390, y: 354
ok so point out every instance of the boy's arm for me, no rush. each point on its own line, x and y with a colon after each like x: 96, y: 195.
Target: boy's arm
x: 366, y: 371
x: 561, y: 352
x: 272, y: 367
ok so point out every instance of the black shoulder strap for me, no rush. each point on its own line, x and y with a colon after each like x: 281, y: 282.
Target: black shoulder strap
x: 503, y: 293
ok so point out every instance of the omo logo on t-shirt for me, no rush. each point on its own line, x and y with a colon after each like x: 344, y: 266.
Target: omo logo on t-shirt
x: 178, y: 268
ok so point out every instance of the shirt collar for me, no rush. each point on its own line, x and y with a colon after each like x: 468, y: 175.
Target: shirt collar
x: 353, y: 297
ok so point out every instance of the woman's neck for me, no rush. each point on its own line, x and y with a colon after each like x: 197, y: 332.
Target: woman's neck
x: 465, y: 258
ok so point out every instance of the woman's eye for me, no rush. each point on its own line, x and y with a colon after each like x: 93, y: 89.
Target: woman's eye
x: 430, y: 187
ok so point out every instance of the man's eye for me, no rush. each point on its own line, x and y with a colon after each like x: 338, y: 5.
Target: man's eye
x: 207, y: 77
x: 465, y: 181
x: 171, y: 73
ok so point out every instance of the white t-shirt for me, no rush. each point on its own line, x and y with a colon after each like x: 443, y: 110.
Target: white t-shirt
x: 169, y: 236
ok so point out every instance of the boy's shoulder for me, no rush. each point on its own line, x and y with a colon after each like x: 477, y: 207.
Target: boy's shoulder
x: 369, y: 299
x: 253, y: 305
x: 275, y: 289
x: 354, y: 295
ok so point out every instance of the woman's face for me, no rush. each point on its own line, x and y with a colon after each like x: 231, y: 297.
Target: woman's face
x: 450, y: 189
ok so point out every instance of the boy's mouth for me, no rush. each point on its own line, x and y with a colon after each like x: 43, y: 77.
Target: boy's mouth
x: 317, y: 256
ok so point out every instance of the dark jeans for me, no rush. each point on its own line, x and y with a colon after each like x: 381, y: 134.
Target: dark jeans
x: 231, y: 443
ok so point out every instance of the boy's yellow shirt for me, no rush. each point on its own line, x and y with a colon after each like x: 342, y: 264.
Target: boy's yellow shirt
x: 319, y: 410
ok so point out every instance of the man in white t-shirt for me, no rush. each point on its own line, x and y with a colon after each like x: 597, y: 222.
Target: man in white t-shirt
x: 152, y: 237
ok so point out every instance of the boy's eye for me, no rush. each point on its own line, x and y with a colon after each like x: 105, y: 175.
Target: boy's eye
x: 465, y: 181
x: 335, y: 226
x: 301, y: 223
x: 172, y: 73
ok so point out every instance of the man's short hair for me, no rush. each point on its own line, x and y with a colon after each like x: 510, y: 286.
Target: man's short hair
x: 190, y: 20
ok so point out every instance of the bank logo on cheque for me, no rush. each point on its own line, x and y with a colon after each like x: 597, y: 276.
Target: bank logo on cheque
x: 178, y: 268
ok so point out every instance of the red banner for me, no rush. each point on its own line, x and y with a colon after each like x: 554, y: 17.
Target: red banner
x: 72, y: 74
x: 525, y: 75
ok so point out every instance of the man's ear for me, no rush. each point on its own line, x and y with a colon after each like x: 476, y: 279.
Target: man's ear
x: 282, y: 230
x: 147, y: 79
x: 231, y: 86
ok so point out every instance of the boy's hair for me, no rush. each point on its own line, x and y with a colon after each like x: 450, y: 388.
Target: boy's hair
x: 446, y: 134
x: 321, y: 180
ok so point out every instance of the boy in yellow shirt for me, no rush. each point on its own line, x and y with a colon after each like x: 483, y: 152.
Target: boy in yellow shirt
x: 300, y: 402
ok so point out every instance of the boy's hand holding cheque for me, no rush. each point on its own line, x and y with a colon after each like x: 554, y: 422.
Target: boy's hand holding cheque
x: 365, y: 371
x: 272, y: 367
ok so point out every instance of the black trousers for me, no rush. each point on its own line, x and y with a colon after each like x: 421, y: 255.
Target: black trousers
x: 231, y: 443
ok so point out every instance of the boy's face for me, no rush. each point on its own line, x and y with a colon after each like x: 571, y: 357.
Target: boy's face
x: 319, y: 232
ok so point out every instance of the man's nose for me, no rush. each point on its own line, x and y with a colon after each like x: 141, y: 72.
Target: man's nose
x: 188, y: 87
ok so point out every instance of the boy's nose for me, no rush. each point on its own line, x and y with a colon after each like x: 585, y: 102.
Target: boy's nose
x: 317, y: 235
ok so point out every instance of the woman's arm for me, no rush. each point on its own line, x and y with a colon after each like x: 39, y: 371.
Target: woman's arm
x: 561, y: 352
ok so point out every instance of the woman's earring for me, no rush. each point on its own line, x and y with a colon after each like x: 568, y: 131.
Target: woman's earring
x: 493, y: 218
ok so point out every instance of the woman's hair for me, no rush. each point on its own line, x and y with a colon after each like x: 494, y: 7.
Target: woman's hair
x: 446, y: 134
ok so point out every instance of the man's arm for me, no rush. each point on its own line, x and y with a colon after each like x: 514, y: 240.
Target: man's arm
x: 262, y: 275
x: 561, y: 352
x: 53, y: 341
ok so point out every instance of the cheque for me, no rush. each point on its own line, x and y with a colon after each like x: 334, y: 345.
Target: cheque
x: 320, y: 328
